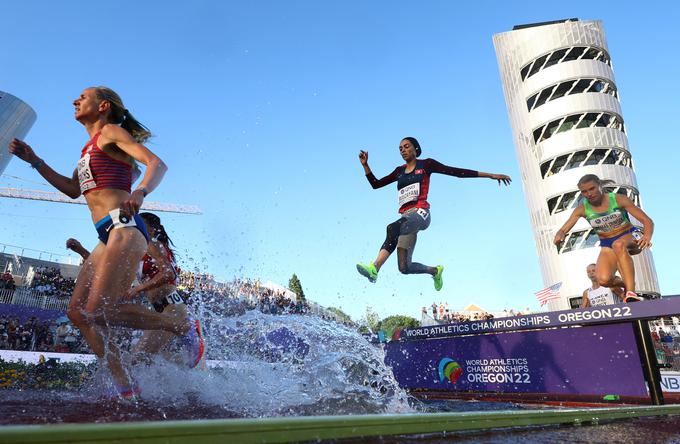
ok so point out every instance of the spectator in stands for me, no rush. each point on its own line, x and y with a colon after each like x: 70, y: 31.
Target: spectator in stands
x: 597, y: 295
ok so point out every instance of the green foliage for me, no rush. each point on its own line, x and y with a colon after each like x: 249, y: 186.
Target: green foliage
x: 344, y: 317
x: 50, y: 375
x: 296, y: 287
x: 391, y: 323
x: 371, y: 319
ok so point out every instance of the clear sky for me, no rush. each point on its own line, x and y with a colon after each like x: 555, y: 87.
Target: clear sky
x: 260, y: 108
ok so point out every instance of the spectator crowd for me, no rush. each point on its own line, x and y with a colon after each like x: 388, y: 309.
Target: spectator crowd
x: 50, y: 282
x: 7, y: 281
x: 33, y: 335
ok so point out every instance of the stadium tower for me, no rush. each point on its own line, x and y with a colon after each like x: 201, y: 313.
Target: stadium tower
x: 16, y: 118
x: 566, y: 120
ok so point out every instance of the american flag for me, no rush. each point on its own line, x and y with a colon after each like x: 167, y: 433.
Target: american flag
x: 548, y: 293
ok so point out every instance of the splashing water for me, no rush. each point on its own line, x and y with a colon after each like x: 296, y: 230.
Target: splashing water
x: 269, y: 365
x: 259, y: 365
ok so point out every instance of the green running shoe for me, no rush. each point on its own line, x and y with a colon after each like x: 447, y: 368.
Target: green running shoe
x: 438, y: 283
x: 368, y: 271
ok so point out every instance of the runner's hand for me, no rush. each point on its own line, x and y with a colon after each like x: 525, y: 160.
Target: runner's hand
x: 644, y: 242
x: 72, y: 244
x: 559, y: 238
x: 23, y: 151
x: 501, y: 178
x: 363, y: 157
x: 131, y: 205
x: 131, y: 294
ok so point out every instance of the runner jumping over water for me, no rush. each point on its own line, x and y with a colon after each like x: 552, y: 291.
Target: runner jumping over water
x: 157, y: 275
x: 413, y: 183
x: 104, y: 177
x: 607, y: 214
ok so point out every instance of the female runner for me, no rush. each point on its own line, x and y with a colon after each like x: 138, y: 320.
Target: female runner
x: 607, y: 214
x: 413, y: 183
x: 157, y: 276
x: 104, y: 175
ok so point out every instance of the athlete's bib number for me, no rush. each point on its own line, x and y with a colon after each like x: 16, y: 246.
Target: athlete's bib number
x: 408, y: 193
x: 85, y: 176
x: 174, y: 298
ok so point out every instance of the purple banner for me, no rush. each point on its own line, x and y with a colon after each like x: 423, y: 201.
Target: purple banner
x: 582, y: 316
x: 24, y: 313
x: 594, y: 360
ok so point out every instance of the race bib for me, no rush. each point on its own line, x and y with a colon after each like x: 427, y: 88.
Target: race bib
x: 174, y: 298
x: 85, y: 176
x: 409, y: 193
x: 121, y: 220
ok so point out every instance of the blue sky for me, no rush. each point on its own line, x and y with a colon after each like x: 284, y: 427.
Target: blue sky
x: 260, y: 109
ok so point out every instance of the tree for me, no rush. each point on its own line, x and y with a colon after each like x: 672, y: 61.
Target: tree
x: 344, y: 317
x: 371, y: 319
x: 392, y: 323
x: 296, y: 287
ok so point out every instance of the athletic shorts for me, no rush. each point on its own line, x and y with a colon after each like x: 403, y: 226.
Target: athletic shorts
x: 116, y: 220
x: 609, y: 241
x: 417, y: 219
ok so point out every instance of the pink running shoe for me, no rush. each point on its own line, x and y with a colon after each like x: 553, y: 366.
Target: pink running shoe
x: 193, y: 340
x: 631, y: 296
x: 118, y: 393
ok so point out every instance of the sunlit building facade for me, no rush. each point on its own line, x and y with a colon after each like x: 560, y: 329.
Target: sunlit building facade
x: 16, y: 119
x: 566, y: 119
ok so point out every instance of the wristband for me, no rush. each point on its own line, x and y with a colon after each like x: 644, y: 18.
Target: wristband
x: 37, y: 164
x: 143, y: 190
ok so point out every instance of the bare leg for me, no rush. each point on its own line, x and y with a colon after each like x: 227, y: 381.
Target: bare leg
x: 114, y: 273
x: 91, y: 333
x: 152, y: 341
x: 383, y: 255
x: 605, y: 268
x: 625, y: 262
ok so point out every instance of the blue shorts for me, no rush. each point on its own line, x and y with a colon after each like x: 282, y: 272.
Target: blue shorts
x: 609, y: 241
x: 115, y: 220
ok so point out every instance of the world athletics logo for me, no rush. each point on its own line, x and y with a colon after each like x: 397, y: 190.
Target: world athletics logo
x: 449, y: 369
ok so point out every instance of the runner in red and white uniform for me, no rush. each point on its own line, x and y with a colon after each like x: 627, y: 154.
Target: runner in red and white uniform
x: 104, y: 176
x: 413, y: 184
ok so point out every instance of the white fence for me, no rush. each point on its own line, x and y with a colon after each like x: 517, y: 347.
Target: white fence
x: 29, y: 298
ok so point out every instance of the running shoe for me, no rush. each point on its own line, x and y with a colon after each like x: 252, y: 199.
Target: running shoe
x: 368, y: 271
x: 194, y: 343
x: 124, y: 393
x: 438, y: 282
x: 631, y: 296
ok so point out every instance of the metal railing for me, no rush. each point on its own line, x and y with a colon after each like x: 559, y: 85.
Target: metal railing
x: 30, y: 298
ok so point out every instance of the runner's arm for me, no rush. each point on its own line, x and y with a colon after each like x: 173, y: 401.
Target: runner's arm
x: 166, y: 272
x: 155, y: 168
x: 69, y: 186
x: 635, y: 211
x: 379, y: 183
x: 585, y: 303
x: 437, y: 167
x: 73, y: 244
x: 561, y: 234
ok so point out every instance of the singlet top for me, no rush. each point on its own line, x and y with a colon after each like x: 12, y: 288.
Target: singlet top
x: 148, y: 267
x: 413, y: 187
x: 97, y: 170
x: 612, y: 222
x: 601, y: 296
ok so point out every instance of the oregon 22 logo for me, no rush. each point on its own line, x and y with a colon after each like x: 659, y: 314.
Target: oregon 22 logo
x: 449, y: 369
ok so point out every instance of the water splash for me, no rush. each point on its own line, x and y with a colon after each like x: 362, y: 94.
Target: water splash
x: 271, y: 365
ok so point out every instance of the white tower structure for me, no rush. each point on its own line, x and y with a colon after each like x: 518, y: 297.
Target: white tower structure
x: 566, y: 120
x: 16, y: 118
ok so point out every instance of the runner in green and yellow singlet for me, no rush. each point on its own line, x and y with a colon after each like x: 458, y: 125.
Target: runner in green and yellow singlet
x: 607, y: 214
